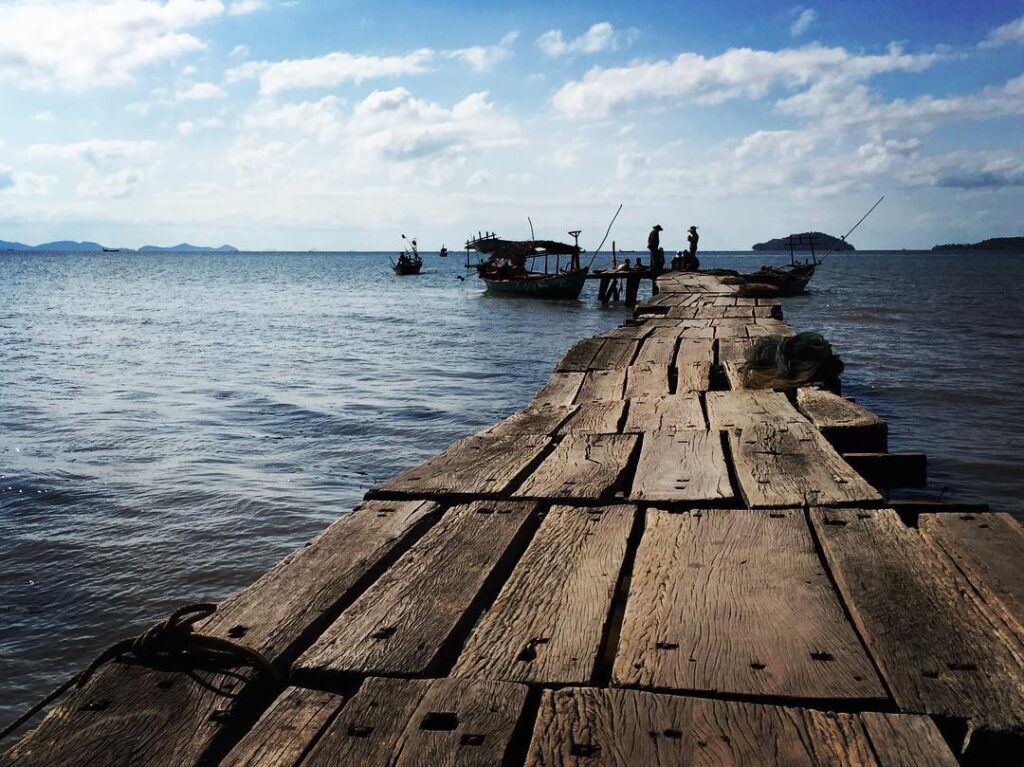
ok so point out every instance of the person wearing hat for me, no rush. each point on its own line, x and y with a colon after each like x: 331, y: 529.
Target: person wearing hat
x: 653, y: 243
x: 693, y: 238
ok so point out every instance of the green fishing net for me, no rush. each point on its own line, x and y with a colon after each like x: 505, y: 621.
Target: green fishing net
x: 781, y: 362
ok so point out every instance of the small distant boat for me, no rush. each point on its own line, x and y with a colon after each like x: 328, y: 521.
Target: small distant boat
x: 409, y: 261
x: 505, y: 271
x: 444, y: 252
x: 111, y: 250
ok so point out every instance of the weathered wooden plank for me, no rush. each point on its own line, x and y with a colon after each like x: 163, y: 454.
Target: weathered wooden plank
x: 744, y: 408
x: 890, y: 469
x: 656, y: 350
x: 668, y: 414
x: 629, y: 728
x: 285, y: 731
x: 772, y: 311
x: 583, y: 466
x: 595, y: 418
x: 733, y: 349
x: 539, y: 419
x: 775, y: 327
x: 731, y: 330
x: 614, y: 353
x: 693, y: 349
x: 905, y: 740
x: 931, y: 636
x: 989, y: 550
x: 116, y: 718
x: 478, y: 465
x: 635, y: 332
x: 406, y: 622
x: 602, y: 386
x: 737, y: 602
x: 681, y: 466
x: 792, y: 465
x: 693, y: 377
x: 710, y: 312
x: 682, y: 313
x: 547, y: 623
x: 580, y: 356
x: 744, y: 312
x: 560, y: 390
x: 646, y: 381
x: 419, y: 722
x: 848, y: 426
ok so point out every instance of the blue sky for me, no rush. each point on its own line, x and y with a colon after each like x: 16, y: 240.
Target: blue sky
x: 295, y: 124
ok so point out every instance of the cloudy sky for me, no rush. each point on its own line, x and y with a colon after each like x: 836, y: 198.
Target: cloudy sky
x: 297, y: 124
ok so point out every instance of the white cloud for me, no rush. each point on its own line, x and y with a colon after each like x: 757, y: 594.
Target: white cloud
x: 321, y: 119
x: 479, y: 178
x: 328, y: 71
x: 600, y: 37
x: 240, y: 51
x: 628, y: 164
x: 739, y: 72
x: 97, y: 152
x: 484, y: 58
x: 44, y: 117
x: 185, y: 127
x: 200, y: 92
x: 113, y: 186
x: 244, y: 7
x: 15, y: 183
x: 1012, y: 32
x: 77, y: 44
x: 803, y: 22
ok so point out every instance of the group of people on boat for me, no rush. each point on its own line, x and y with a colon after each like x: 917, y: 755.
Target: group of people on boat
x: 685, y: 260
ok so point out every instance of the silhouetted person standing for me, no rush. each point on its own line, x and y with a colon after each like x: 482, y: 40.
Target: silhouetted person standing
x: 654, y: 242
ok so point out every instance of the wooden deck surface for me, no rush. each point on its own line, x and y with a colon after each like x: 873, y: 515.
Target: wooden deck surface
x: 648, y: 565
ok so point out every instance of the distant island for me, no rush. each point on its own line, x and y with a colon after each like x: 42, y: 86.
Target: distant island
x: 803, y: 242
x: 993, y: 243
x: 60, y: 245
x: 70, y: 246
x: 186, y: 248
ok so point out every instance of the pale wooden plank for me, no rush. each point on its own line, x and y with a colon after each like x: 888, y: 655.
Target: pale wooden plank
x: 407, y: 620
x: 792, y: 465
x: 849, y: 427
x: 744, y: 408
x: 546, y: 625
x: 710, y: 312
x: 744, y: 312
x: 629, y: 728
x: 681, y: 466
x: 602, y: 386
x: 583, y: 466
x: 166, y: 717
x: 614, y: 353
x: 560, y: 390
x: 646, y: 381
x: 694, y: 349
x: 693, y: 377
x: 905, y: 740
x: 737, y: 602
x: 989, y: 550
x: 286, y: 730
x: 635, y: 332
x: 668, y: 413
x: 580, y: 356
x: 656, y: 350
x: 478, y: 465
x: 435, y: 722
x: 939, y: 651
x: 540, y: 419
x: 595, y: 418
x: 682, y: 313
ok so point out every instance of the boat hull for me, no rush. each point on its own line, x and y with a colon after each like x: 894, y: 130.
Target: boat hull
x: 405, y: 269
x: 552, y: 286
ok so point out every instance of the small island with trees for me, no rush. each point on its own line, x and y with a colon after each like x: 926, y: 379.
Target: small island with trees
x: 993, y: 243
x: 804, y: 242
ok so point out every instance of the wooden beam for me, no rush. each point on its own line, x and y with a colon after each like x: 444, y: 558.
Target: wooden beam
x: 849, y: 427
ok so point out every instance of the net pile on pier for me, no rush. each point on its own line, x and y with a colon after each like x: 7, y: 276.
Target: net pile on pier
x: 781, y: 362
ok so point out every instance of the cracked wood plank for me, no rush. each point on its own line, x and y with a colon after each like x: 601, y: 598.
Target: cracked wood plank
x: 681, y: 466
x: 849, y: 427
x: 595, y: 418
x: 480, y: 466
x: 693, y: 377
x: 906, y: 740
x: 547, y: 623
x: 560, y: 390
x: 580, y: 356
x: 779, y: 465
x: 656, y: 350
x: 614, y: 353
x: 741, y: 409
x: 937, y: 645
x: 406, y: 622
x: 583, y: 466
x: 645, y: 381
x: 694, y: 349
x: 541, y: 419
x: 602, y: 386
x: 668, y: 413
x: 738, y: 602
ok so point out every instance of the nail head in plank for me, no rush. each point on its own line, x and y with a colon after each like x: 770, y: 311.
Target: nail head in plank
x: 547, y: 623
x: 406, y: 621
x: 781, y: 465
x: 668, y: 413
x: 693, y: 377
x: 939, y: 651
x: 602, y: 386
x: 595, y: 418
x: 681, y: 466
x: 848, y: 426
x: 737, y: 602
x: 583, y: 466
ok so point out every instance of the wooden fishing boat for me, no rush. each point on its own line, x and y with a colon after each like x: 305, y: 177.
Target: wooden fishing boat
x: 505, y: 269
x: 787, y: 280
x: 567, y: 285
x: 409, y: 261
x: 444, y: 252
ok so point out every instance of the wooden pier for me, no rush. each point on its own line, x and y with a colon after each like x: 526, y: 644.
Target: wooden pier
x: 648, y: 565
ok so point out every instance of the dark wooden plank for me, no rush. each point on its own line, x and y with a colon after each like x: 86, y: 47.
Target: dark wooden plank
x: 848, y: 426
x: 989, y: 550
x: 890, y: 469
x: 595, y: 418
x: 614, y: 353
x: 560, y: 390
x: 656, y: 350
x: 792, y: 465
x: 938, y: 649
x: 580, y: 356
x: 682, y: 313
x: 540, y: 419
x: 905, y: 740
x: 693, y: 377
x: 583, y: 466
x: 629, y: 728
x: 733, y: 349
x: 669, y: 413
x: 406, y: 621
x: 681, y: 466
x: 546, y: 625
x: 646, y: 381
x: 745, y: 312
x: 286, y: 730
x: 118, y: 715
x: 475, y: 466
x: 435, y: 722
x: 602, y: 386
x: 737, y: 602
x: 741, y: 409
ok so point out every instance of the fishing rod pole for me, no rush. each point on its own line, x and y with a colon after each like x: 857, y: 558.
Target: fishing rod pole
x: 606, y: 233
x: 843, y: 238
